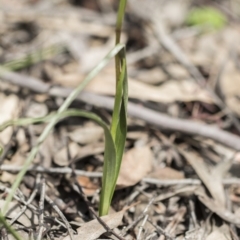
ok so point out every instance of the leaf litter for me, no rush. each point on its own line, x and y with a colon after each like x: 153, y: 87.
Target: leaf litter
x: 186, y: 187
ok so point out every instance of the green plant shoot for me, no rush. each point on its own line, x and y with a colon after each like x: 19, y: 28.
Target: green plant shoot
x: 111, y: 167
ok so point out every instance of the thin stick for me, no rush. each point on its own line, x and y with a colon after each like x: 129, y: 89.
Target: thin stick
x: 56, y: 208
x: 66, y: 170
x: 33, y: 195
x: 134, y: 223
x: 39, y: 169
x: 141, y: 227
x: 41, y: 210
x: 160, y: 230
x: 8, y: 190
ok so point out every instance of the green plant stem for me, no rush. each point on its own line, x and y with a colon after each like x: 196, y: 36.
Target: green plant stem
x: 120, y: 16
x: 118, y: 125
x: 117, y: 103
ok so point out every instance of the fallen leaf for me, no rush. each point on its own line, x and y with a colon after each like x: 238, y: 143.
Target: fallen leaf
x: 177, y: 71
x: 170, y: 91
x: 21, y: 233
x: 91, y: 149
x: 136, y: 164
x: 213, y: 182
x: 88, y: 187
x: 86, y: 134
x: 46, y: 152
x: 60, y: 157
x: 152, y: 76
x: 166, y: 173
x: 217, y: 208
x: 220, y: 233
x: 93, y: 229
x: 9, y: 109
x: 17, y: 159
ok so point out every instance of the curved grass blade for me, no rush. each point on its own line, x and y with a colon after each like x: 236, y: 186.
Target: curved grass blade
x: 55, y: 118
x: 110, y: 151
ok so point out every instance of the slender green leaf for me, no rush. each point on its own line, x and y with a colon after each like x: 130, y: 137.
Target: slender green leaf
x: 119, y: 121
x: 109, y: 154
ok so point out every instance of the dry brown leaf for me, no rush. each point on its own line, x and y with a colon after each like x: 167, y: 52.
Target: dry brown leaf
x: 91, y: 149
x: 216, y: 207
x: 21, y: 233
x: 46, y: 152
x: 136, y: 135
x: 9, y: 109
x: 177, y: 71
x: 86, y: 134
x: 213, y: 182
x: 60, y: 157
x: 152, y: 76
x: 170, y: 91
x: 166, y: 173
x: 69, y: 79
x: 220, y: 233
x: 88, y: 187
x: 17, y: 159
x: 136, y: 164
x: 93, y: 229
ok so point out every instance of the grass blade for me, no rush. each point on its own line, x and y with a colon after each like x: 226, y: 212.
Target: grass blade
x: 55, y: 118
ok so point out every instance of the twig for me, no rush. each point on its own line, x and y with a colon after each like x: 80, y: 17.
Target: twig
x: 150, y: 116
x: 175, y: 221
x: 151, y: 236
x: 34, y: 193
x: 134, y: 223
x: 66, y: 170
x: 8, y: 190
x: 193, y: 213
x: 56, y: 208
x: 39, y: 169
x: 41, y: 210
x: 141, y: 227
x: 161, y: 231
